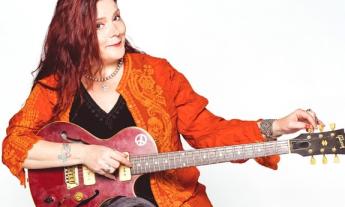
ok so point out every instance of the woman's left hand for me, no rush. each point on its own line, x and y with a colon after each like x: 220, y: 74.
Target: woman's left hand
x: 297, y: 120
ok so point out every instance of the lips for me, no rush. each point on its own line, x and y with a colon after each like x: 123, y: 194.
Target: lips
x: 115, y: 44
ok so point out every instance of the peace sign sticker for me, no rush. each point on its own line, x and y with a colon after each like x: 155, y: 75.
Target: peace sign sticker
x: 141, y: 139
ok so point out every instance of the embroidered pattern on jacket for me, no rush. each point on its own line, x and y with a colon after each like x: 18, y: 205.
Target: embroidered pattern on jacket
x: 144, y: 89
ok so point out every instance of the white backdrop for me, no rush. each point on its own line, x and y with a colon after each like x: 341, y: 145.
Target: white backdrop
x: 251, y: 59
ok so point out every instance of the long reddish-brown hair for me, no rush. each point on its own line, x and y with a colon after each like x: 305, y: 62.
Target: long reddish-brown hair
x: 71, y: 49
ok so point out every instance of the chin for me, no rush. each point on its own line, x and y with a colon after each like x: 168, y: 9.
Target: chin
x: 110, y: 58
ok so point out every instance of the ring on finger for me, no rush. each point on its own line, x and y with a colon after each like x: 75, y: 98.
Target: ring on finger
x: 309, y: 111
x: 108, y: 169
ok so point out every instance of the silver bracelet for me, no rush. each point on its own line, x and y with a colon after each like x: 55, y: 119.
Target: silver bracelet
x: 266, y: 129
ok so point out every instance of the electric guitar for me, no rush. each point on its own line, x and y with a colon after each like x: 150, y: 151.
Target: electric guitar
x: 78, y: 186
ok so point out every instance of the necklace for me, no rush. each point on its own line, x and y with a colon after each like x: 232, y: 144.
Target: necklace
x: 102, y: 80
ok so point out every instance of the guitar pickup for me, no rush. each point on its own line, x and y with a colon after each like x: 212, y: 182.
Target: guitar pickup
x: 125, y: 172
x: 88, y: 176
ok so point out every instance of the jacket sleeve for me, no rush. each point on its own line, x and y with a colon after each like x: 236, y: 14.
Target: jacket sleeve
x: 203, y: 129
x: 22, y: 129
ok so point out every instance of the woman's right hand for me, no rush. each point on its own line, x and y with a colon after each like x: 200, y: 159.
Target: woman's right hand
x: 104, y: 160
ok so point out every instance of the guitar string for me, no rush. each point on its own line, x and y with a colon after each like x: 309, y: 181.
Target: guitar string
x: 271, y: 147
x: 244, y: 148
x: 246, y: 154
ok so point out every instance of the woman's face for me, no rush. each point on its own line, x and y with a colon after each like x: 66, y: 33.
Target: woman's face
x: 111, y: 31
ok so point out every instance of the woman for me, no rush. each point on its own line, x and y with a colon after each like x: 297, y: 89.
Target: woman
x: 91, y: 76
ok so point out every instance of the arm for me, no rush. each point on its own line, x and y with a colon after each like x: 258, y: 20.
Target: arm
x: 22, y: 129
x: 22, y: 148
x: 46, y: 154
x: 203, y: 129
x: 99, y: 159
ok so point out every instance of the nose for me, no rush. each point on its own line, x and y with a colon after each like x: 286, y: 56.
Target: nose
x: 114, y: 30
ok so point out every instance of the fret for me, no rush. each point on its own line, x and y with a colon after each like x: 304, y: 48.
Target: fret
x: 159, y: 164
x: 139, y: 164
x: 259, y: 150
x: 210, y: 156
x: 146, y: 164
x: 152, y: 165
x: 249, y: 151
x: 237, y: 152
x: 230, y: 153
x: 275, y: 147
x: 264, y: 147
x: 178, y: 160
x: 193, y: 158
x: 187, y: 158
x: 175, y: 159
x: 168, y: 161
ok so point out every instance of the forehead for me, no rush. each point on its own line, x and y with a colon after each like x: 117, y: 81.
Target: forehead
x: 106, y: 8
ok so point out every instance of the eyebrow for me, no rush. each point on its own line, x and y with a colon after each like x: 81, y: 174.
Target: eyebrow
x: 101, y: 18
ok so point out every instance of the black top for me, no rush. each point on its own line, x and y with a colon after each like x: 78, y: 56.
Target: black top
x: 88, y: 115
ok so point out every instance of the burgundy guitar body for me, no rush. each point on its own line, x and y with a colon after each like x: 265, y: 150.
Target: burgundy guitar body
x: 48, y: 186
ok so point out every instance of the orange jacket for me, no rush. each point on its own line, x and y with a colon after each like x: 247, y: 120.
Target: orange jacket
x: 162, y: 102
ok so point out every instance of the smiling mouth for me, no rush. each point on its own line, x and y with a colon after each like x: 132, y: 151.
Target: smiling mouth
x: 115, y: 45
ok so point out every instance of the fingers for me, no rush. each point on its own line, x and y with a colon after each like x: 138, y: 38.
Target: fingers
x: 105, y: 161
x: 113, y: 163
x: 106, y: 174
x: 298, y: 125
x: 109, y: 169
x: 309, y: 118
x: 313, y: 114
x: 121, y: 157
x: 110, y: 176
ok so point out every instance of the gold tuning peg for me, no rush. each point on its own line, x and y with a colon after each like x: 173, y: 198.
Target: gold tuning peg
x: 321, y: 127
x: 332, y: 126
x: 336, y: 159
x: 310, y: 130
x: 312, y: 160
x: 324, y: 159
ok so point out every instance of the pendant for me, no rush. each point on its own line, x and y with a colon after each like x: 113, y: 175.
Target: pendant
x: 104, y: 87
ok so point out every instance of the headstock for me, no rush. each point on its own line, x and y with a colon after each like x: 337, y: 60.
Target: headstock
x: 321, y: 143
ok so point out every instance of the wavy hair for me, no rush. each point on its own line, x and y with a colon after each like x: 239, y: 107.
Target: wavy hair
x: 71, y: 49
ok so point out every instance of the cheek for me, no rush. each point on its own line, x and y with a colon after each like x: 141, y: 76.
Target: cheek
x: 101, y: 43
x: 122, y: 27
x: 101, y: 40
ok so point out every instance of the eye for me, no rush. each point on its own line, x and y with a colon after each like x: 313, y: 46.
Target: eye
x: 117, y: 18
x: 99, y: 26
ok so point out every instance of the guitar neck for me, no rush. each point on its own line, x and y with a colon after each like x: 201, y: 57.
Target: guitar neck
x: 173, y: 160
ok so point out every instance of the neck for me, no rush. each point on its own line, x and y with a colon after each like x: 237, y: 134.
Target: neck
x: 173, y: 160
x: 106, y: 70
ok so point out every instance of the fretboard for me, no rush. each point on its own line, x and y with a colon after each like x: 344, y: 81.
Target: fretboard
x: 172, y: 160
